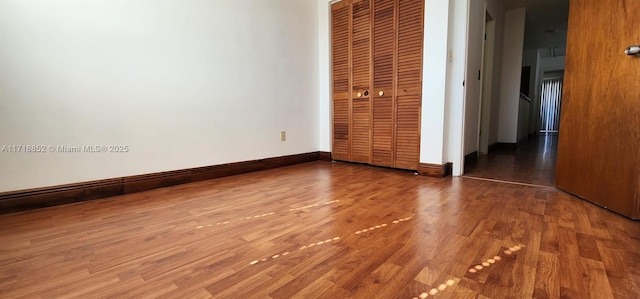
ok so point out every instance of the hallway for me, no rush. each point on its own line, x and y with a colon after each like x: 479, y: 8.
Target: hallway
x: 533, y: 162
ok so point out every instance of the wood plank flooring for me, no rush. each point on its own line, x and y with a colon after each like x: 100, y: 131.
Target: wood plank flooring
x: 533, y: 162
x: 323, y: 230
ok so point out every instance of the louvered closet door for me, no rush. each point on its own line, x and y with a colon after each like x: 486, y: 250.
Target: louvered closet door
x: 340, y: 29
x: 361, y: 76
x: 409, y: 83
x: 377, y: 75
x: 382, y: 91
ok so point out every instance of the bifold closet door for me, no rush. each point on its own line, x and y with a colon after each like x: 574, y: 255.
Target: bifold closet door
x: 384, y: 44
x: 377, y: 81
x: 341, y: 72
x: 351, y: 63
x: 361, y: 76
x: 408, y: 83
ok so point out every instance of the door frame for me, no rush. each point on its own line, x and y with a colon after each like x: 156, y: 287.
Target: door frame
x: 486, y: 84
x: 459, y: 109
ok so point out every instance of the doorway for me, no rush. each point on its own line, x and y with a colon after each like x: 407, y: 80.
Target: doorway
x: 512, y: 145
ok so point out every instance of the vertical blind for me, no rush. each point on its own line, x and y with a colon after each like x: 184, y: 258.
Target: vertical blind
x: 550, y: 105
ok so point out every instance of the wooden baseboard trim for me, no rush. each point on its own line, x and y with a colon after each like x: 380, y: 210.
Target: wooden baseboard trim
x: 435, y: 170
x: 23, y: 200
x: 325, y: 156
x: 471, y: 158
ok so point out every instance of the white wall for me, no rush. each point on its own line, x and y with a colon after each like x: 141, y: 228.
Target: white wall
x: 182, y: 83
x: 434, y: 75
x: 324, y: 76
x: 511, y: 71
x: 454, y: 120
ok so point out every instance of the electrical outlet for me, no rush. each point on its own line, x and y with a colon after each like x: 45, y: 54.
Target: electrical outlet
x: 283, y: 136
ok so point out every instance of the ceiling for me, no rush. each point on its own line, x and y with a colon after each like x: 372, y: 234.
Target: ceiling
x: 546, y: 23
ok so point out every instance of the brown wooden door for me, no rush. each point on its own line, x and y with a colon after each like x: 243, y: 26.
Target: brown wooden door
x: 408, y: 83
x: 361, y: 74
x: 384, y: 45
x: 341, y: 72
x: 599, y: 142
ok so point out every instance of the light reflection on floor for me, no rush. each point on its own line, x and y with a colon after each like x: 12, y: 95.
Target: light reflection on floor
x: 331, y: 240
x: 270, y: 213
x: 473, y: 269
x: 433, y: 291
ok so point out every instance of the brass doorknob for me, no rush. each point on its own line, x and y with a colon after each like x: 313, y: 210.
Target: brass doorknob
x: 359, y: 94
x: 381, y: 93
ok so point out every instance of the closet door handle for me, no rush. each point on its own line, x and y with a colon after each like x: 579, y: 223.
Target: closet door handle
x: 359, y: 94
x: 381, y: 93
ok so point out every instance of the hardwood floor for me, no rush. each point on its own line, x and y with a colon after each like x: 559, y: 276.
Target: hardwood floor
x: 533, y: 162
x: 323, y: 230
